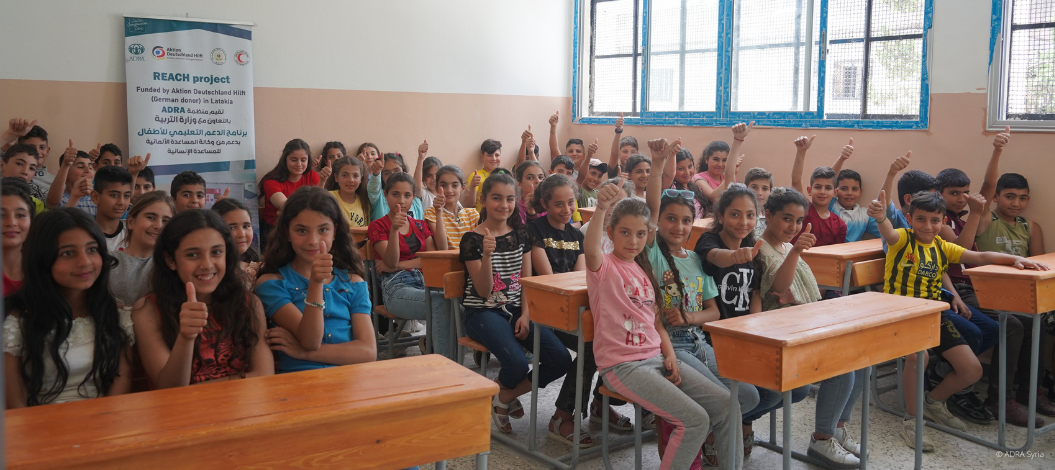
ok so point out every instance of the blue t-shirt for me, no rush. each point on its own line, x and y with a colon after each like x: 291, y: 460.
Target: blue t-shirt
x: 857, y: 221
x: 343, y: 298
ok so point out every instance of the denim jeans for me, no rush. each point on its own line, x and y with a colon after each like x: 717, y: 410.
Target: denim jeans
x: 769, y: 400
x: 836, y: 400
x: 566, y: 396
x: 980, y: 331
x: 404, y: 294
x: 495, y: 329
x: 693, y: 351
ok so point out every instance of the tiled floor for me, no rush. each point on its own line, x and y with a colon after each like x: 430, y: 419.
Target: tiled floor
x: 887, y: 449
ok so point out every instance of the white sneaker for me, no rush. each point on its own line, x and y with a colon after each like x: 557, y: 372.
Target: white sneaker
x: 847, y: 442
x: 938, y: 412
x: 831, y: 453
x: 908, y: 433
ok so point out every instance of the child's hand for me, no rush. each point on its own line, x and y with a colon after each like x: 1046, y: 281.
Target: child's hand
x: 673, y: 372
x: 69, y: 156
x: 136, y: 164
x: 489, y: 243
x: 95, y: 152
x: 999, y: 141
x: 961, y: 308
x: 324, y: 173
x: 848, y: 150
x: 280, y: 339
x: 20, y: 127
x: 1026, y: 263
x: 806, y: 239
x: 526, y: 135
x: 226, y: 192
x: 739, y: 161
x: 741, y: 130
x: 439, y: 202
x: 82, y: 187
x: 673, y: 316
x: 976, y: 202
x: 376, y: 166
x: 554, y: 119
x: 522, y: 328
x: 674, y: 147
x: 608, y: 195
x: 475, y: 182
x: 315, y: 162
x: 592, y: 149
x: 803, y: 143
x: 423, y: 149
x: 746, y: 254
x: 399, y: 218
x: 657, y: 147
x: 193, y: 315
x: 900, y: 163
x: 619, y: 123
x: 877, y: 209
x: 321, y: 265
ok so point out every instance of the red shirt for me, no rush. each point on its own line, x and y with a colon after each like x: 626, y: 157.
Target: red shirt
x: 830, y: 231
x: 380, y: 228
x: 269, y: 212
x: 10, y: 287
x: 957, y: 223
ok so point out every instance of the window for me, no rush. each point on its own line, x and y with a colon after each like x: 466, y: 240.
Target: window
x: 1022, y: 70
x: 718, y: 62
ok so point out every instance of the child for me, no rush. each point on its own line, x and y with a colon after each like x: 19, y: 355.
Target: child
x: 238, y: 220
x: 37, y: 138
x: 64, y: 311
x: 787, y: 280
x: 112, y: 195
x: 20, y: 161
x: 199, y: 324
x: 677, y: 174
x: 638, y: 168
x: 144, y: 184
x: 630, y: 338
x: 106, y: 155
x: 188, y: 191
x: 910, y: 183
x: 72, y: 186
x: 425, y: 175
x: 397, y: 238
x: 574, y: 149
x: 496, y: 256
x: 715, y: 174
x: 130, y: 279
x: 313, y: 290
x: 346, y: 184
x: 330, y: 153
x: 17, y: 209
x: 759, y: 181
x: 847, y: 194
x: 687, y: 300
x: 915, y: 266
x: 590, y: 175
x: 290, y: 173
x: 626, y: 189
x: 457, y: 220
x: 368, y: 153
x: 622, y: 149
x: 529, y: 176
x: 562, y: 164
x: 491, y: 158
x: 377, y: 188
x: 828, y: 230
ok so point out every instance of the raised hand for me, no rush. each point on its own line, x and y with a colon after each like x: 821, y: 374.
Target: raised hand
x: 474, y: 182
x: 657, y: 147
x: 423, y: 149
x: 324, y: 173
x: 439, y: 202
x: 848, y: 149
x: 877, y: 208
x: 489, y: 243
x: 741, y: 130
x: 999, y: 141
x: 226, y: 192
x: 609, y: 195
x: 95, y: 152
x: 554, y: 119
x: 619, y: 123
x: 321, y: 265
x: 526, y: 135
x: 806, y: 239
x: 69, y: 155
x: 315, y: 162
x: 399, y: 218
x: 136, y: 164
x: 193, y: 315
x: 900, y: 163
x: 20, y: 127
x: 592, y: 149
x: 976, y: 202
x: 746, y: 254
x: 804, y: 143
x: 376, y: 166
x: 739, y: 161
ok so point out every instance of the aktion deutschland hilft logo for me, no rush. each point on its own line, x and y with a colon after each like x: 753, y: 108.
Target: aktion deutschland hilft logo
x: 159, y: 52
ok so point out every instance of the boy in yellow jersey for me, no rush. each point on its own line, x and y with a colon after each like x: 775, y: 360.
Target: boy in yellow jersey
x: 916, y: 261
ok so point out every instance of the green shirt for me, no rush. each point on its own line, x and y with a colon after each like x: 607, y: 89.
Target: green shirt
x: 1003, y: 237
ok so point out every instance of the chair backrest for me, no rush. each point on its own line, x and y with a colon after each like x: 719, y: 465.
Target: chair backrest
x: 867, y: 273
x: 454, y: 285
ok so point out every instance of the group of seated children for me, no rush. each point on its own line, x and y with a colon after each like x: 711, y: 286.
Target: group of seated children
x: 101, y: 263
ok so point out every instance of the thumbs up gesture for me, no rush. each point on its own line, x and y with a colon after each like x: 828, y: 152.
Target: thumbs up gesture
x: 376, y: 166
x: 554, y: 119
x: 423, y: 149
x: 746, y: 254
x: 848, y: 149
x: 1002, y: 138
x: 399, y: 218
x: 193, y: 316
x: 95, y: 152
x: 592, y: 149
x: 439, y: 202
x: 324, y: 173
x: 136, y: 164
x: 806, y: 239
x: 877, y: 209
x: 489, y: 243
x: 804, y: 143
x: 609, y: 194
x: 321, y: 265
x: 69, y: 155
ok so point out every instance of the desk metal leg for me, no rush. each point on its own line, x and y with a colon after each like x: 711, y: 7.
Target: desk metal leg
x: 734, y: 402
x: 429, y: 339
x: 919, y: 409
x: 867, y: 391
x: 481, y: 461
x: 846, y: 277
x: 441, y: 465
x: 787, y: 430
x: 533, y: 420
x: 1002, y: 364
x: 579, y: 353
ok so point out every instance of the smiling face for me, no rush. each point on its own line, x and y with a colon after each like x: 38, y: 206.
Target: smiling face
x: 560, y: 206
x: 675, y: 224
x: 400, y: 194
x: 450, y: 186
x: 926, y: 225
x: 349, y: 179
x: 625, y: 152
x: 42, y: 148
x: 309, y: 231
x: 575, y: 151
x: 683, y: 172
x: 15, y: 215
x: 146, y: 226
x: 331, y: 155
x: 190, y: 196
x: 491, y: 160
x: 738, y: 220
x: 82, y: 166
x: 629, y: 235
x: 113, y: 200
x: 297, y: 162
x: 1011, y: 202
x: 849, y: 192
x: 391, y: 166
x: 531, y: 178
x: 200, y: 258
x: 639, y: 175
x: 786, y: 222
x: 241, y: 226
x: 716, y: 163
x: 593, y: 179
x: 500, y: 201
x: 142, y: 186
x: 821, y: 191
x: 370, y: 153
x: 429, y: 178
x: 79, y: 262
x: 22, y: 166
x: 107, y: 159
x: 762, y: 188
x: 956, y: 197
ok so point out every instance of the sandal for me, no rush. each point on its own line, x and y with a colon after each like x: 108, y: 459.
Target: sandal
x: 749, y: 443
x: 500, y: 421
x: 622, y: 423
x: 648, y: 421
x: 516, y: 409
x: 585, y: 440
x: 710, y: 454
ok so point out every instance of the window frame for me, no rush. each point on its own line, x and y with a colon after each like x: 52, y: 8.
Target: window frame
x: 723, y: 116
x: 999, y: 62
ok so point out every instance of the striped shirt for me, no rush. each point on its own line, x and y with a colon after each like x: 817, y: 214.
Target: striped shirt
x: 914, y: 269
x: 507, y: 263
x: 455, y: 224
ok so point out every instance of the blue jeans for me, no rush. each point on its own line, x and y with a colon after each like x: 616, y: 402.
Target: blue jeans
x: 404, y: 294
x: 980, y: 331
x: 495, y: 329
x: 769, y: 400
x: 693, y: 351
x: 836, y: 400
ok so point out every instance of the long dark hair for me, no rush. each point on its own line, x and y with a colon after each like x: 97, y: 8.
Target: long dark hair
x: 635, y: 206
x: 326, y: 149
x: 715, y: 146
x: 706, y: 206
x: 735, y: 191
x: 279, y: 252
x: 544, y: 191
x: 281, y: 170
x: 514, y: 218
x: 230, y: 310
x: 47, y: 318
x: 665, y: 250
x: 361, y: 196
x: 222, y: 207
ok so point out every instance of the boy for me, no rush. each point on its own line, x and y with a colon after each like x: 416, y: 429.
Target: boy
x: 106, y: 155
x: 37, y: 137
x: 574, y: 149
x: 112, y: 195
x: 622, y: 149
x: 188, y: 191
x: 144, y: 183
x: 20, y: 161
x: 591, y: 173
x: 491, y: 158
x: 847, y: 194
x: 562, y: 164
x: 828, y: 229
x: 915, y: 267
x: 761, y: 182
x: 73, y: 182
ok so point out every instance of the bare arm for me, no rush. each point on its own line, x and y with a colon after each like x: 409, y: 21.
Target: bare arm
x: 802, y: 144
x: 785, y: 274
x: 992, y: 170
x: 877, y: 211
x: 423, y: 150
x: 966, y: 237
x: 554, y: 145
x: 740, y: 132
x: 166, y: 368
x: 540, y: 261
x: 613, y: 160
x: 362, y: 348
x: 308, y: 325
x: 848, y: 149
x: 17, y: 396
x: 708, y: 314
x: 278, y: 199
x: 584, y: 165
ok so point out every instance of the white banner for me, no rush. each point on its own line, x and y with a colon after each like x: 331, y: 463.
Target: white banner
x: 190, y: 102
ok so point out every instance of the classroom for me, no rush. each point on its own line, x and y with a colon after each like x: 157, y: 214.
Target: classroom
x: 800, y: 208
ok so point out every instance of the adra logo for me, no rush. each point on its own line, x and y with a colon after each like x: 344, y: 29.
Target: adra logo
x: 136, y: 49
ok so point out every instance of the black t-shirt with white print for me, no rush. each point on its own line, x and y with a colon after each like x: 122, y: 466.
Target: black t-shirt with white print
x: 735, y: 283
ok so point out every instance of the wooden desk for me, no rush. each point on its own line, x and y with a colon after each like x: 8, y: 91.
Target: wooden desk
x: 434, y: 264
x: 791, y: 347
x: 390, y: 414
x: 366, y: 252
x: 359, y: 234
x: 698, y: 227
x: 586, y: 213
x: 831, y: 264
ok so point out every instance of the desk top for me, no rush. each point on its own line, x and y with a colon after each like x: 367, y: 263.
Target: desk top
x: 439, y: 254
x: 139, y: 423
x: 1011, y: 271
x: 570, y: 283
x: 844, y: 251
x: 820, y: 320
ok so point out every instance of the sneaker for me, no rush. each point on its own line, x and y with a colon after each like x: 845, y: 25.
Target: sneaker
x: 1044, y: 406
x: 908, y: 434
x: 847, y: 442
x: 939, y: 413
x: 832, y: 454
x: 1016, y: 416
x: 967, y: 406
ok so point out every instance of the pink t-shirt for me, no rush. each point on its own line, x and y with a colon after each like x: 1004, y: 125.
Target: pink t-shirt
x: 709, y: 179
x: 622, y: 301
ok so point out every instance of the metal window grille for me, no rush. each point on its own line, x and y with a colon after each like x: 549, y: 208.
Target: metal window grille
x: 615, y: 56
x: 1031, y: 64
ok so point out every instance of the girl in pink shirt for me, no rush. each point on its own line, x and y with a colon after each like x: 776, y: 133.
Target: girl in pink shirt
x: 715, y: 172
x: 632, y: 348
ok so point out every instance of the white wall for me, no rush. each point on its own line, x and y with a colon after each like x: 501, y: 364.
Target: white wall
x: 504, y: 47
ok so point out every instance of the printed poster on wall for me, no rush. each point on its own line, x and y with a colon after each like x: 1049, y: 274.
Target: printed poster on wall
x: 190, y: 102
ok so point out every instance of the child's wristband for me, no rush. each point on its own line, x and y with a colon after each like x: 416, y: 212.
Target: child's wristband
x: 881, y: 221
x: 739, y: 140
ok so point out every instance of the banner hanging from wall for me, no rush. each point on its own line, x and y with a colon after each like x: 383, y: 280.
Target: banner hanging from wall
x: 190, y: 102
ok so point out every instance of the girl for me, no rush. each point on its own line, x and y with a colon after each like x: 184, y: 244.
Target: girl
x: 290, y: 173
x: 130, y: 279
x: 634, y: 352
x: 496, y: 255
x: 330, y: 153
x: 639, y: 167
x: 787, y: 280
x: 368, y: 153
x: 677, y: 174
x: 626, y: 188
x: 688, y: 294
x: 346, y: 184
x: 199, y: 324
x: 457, y: 220
x: 397, y: 238
x: 377, y: 187
x: 65, y: 339
x: 425, y: 174
x: 714, y: 174
x: 313, y: 290
x: 237, y: 218
x: 529, y: 176
x: 17, y: 208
